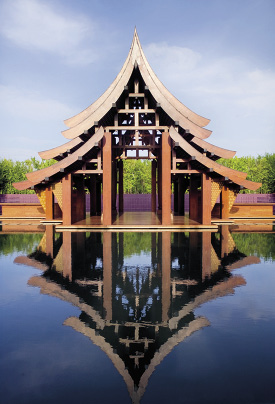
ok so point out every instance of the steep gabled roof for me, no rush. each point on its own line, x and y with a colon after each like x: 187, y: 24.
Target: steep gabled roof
x: 174, y: 108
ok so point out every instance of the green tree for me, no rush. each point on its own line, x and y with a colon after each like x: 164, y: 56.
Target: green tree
x: 11, y: 171
x: 258, y: 169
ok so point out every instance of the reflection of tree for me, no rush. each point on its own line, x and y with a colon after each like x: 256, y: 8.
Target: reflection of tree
x: 24, y: 242
x: 259, y: 244
x: 135, y: 243
x: 137, y: 312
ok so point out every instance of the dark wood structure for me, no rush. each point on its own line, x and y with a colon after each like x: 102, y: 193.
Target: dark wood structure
x: 136, y: 117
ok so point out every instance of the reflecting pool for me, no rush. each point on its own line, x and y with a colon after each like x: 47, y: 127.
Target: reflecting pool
x: 182, y: 317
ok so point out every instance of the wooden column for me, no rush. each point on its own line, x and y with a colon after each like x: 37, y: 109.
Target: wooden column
x: 92, y: 189
x: 120, y: 186
x: 224, y: 202
x: 107, y: 179
x: 176, y: 196
x: 166, y: 274
x: 206, y: 255
x: 182, y: 185
x: 98, y: 196
x: 49, y: 203
x: 114, y: 185
x: 159, y: 184
x: 80, y: 203
x: 193, y: 199
x: 166, y: 178
x: 67, y: 200
x: 107, y: 274
x: 205, y: 199
x: 154, y: 184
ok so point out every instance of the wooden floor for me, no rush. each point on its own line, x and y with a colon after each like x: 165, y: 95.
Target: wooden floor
x: 137, y: 220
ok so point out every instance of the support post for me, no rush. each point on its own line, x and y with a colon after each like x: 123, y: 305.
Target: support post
x: 224, y: 202
x: 205, y: 199
x: 107, y: 179
x: 98, y: 197
x: 182, y: 186
x: 114, y: 186
x: 92, y: 189
x: 166, y: 178
x: 49, y: 203
x: 193, y: 199
x: 159, y: 184
x: 120, y: 186
x: 67, y: 200
x: 80, y: 202
x: 176, y: 196
x: 154, y: 183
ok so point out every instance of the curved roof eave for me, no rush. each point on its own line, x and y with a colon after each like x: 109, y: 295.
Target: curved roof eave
x: 235, y: 176
x: 38, y: 176
x: 52, y: 153
x: 218, y: 151
x: 22, y: 185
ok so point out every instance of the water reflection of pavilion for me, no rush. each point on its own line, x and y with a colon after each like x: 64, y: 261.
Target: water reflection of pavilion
x: 137, y: 310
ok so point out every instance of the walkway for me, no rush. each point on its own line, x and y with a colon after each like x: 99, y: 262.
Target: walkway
x: 138, y: 220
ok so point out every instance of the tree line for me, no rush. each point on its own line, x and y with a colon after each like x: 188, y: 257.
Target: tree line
x: 137, y: 173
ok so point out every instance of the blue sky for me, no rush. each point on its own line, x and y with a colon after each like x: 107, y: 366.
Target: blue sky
x: 59, y: 56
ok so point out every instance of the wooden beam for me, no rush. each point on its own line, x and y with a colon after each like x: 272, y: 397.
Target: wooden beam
x: 186, y: 171
x: 88, y: 172
x: 132, y: 127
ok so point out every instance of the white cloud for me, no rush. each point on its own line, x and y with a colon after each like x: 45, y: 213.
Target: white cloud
x: 237, y: 97
x: 31, y: 105
x: 37, y: 25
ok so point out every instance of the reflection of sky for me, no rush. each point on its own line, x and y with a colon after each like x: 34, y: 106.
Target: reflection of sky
x: 254, y: 301
x: 138, y: 260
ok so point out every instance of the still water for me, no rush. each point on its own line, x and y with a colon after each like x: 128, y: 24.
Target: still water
x: 137, y: 317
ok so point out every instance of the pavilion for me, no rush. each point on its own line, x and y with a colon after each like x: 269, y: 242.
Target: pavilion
x: 136, y: 117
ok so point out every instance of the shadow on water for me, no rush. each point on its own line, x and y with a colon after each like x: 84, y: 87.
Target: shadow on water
x: 137, y: 292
